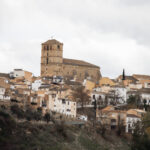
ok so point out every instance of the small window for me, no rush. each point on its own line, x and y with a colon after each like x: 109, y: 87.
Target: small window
x: 47, y: 47
x: 63, y: 101
x: 47, y: 61
x: 93, y: 96
x: 58, y: 46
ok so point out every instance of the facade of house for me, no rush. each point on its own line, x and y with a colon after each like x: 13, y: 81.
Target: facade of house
x: 2, y: 92
x: 36, y: 84
x: 62, y: 106
x: 89, y: 85
x: 120, y: 92
x: 131, y: 120
x: 21, y: 73
x: 106, y: 81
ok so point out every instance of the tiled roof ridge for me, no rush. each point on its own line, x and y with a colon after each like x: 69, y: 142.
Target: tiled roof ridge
x: 78, y: 62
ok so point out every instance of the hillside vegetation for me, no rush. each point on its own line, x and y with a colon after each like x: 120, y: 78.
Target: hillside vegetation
x: 33, y: 135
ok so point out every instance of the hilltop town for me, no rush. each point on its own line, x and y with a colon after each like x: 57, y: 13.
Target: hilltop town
x: 75, y: 91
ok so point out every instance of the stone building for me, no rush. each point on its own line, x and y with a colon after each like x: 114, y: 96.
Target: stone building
x: 53, y: 63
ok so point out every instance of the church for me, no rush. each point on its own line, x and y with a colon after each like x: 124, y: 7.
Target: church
x: 53, y: 64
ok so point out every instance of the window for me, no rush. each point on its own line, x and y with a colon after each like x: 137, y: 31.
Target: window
x: 129, y: 126
x: 47, y: 61
x: 53, y: 95
x: 58, y: 46
x: 63, y: 101
x: 74, y: 72
x: 47, y: 47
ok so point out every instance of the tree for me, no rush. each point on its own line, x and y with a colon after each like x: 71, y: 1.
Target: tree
x: 120, y: 127
x: 15, y: 109
x: 134, y: 100
x: 141, y: 136
x: 29, y: 114
x: 145, y: 104
x: 7, y: 123
x: 47, y: 117
x: 38, y: 114
x: 81, y: 96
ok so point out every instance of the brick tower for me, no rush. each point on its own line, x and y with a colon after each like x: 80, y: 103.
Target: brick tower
x: 51, y: 58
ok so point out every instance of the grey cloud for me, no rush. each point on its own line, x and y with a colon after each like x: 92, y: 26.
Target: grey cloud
x: 111, y: 33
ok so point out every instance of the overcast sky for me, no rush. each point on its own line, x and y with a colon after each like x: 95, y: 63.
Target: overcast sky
x: 113, y: 34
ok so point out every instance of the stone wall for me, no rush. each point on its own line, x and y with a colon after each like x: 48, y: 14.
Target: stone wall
x: 81, y: 72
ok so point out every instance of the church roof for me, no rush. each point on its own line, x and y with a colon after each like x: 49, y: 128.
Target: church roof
x: 52, y: 41
x: 78, y: 63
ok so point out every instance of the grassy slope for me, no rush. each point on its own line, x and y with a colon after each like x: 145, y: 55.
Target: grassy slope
x: 27, y: 136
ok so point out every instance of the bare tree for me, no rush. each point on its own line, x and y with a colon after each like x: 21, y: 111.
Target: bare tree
x: 81, y: 96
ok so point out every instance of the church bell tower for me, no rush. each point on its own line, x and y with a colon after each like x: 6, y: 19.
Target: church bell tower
x: 51, y: 58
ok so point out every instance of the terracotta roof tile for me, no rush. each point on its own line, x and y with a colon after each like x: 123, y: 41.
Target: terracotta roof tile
x: 53, y: 41
x: 78, y: 63
x: 139, y: 76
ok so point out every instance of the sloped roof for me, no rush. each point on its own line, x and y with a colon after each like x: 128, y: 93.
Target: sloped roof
x: 133, y: 116
x: 140, y: 76
x: 52, y: 41
x: 144, y: 90
x: 5, y: 75
x: 78, y: 63
x: 129, y: 78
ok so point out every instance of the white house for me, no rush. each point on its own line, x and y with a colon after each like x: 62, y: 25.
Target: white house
x: 36, y: 84
x: 145, y: 97
x: 146, y: 85
x: 135, y: 86
x: 98, y: 96
x: 62, y: 106
x: 121, y: 93
x: 17, y: 73
x: 2, y: 92
x: 131, y: 120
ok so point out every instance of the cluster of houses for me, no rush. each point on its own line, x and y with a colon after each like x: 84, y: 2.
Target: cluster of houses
x: 48, y: 93
x: 55, y: 94
x: 126, y: 119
